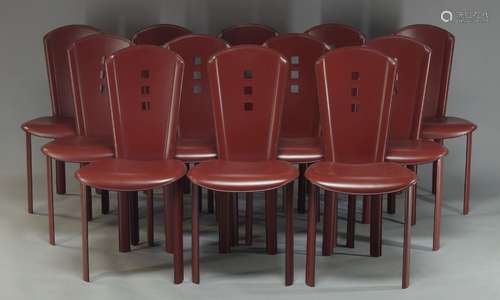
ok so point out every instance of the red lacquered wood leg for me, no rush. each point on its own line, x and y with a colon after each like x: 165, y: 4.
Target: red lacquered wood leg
x: 248, y: 218
x: 414, y: 208
x: 437, y: 205
x: 318, y: 208
x: 289, y: 234
x: 29, y: 173
x: 50, y: 198
x: 407, y: 238
x: 351, y: 220
x: 178, y: 243
x: 391, y: 203
x: 104, y: 202
x: 85, y: 232
x: 224, y: 209
x: 311, y: 237
x: 467, y: 174
x: 134, y: 218
x: 89, y: 204
x: 366, y: 209
x: 271, y: 228
x: 200, y: 198
x: 210, y: 201
x: 124, y: 222
x: 328, y: 224
x: 60, y: 177
x: 195, y: 241
x: 376, y: 227
x: 434, y: 170
x: 301, y: 200
x: 150, y: 218
x: 168, y: 197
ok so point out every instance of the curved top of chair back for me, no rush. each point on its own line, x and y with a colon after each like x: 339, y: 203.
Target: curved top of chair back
x: 413, y: 60
x: 337, y: 35
x: 56, y: 43
x: 196, y: 117
x: 301, y: 112
x: 247, y: 34
x: 88, y: 78
x: 247, y: 85
x: 441, y: 43
x: 144, y: 88
x: 159, y: 34
x: 355, y: 86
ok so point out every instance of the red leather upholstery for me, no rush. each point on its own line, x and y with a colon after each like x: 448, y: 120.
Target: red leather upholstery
x: 446, y: 127
x: 79, y: 149
x: 159, y: 34
x: 414, y: 152
x: 247, y: 34
x: 50, y: 127
x: 337, y: 35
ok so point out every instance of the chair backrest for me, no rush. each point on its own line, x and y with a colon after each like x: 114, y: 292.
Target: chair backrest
x: 88, y: 78
x: 247, y: 85
x: 159, y: 34
x: 144, y: 89
x: 413, y: 60
x: 355, y: 86
x: 56, y: 43
x: 196, y: 117
x: 301, y: 112
x: 247, y: 34
x: 337, y: 35
x: 441, y: 43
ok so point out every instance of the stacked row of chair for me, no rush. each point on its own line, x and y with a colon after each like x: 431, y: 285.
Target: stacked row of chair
x: 238, y: 110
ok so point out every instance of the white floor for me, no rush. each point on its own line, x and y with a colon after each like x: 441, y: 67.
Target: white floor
x: 466, y: 267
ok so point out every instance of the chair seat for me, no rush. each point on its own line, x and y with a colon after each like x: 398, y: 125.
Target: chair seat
x: 446, y: 127
x: 50, y: 127
x: 130, y: 175
x: 414, y: 151
x: 79, y: 149
x: 233, y: 176
x: 300, y: 150
x: 363, y: 179
x: 195, y: 150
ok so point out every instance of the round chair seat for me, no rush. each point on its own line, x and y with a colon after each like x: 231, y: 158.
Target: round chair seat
x: 446, y: 127
x: 195, y: 149
x: 300, y: 150
x: 363, y: 179
x: 79, y: 149
x: 50, y: 127
x: 414, y: 151
x: 237, y: 176
x: 130, y: 175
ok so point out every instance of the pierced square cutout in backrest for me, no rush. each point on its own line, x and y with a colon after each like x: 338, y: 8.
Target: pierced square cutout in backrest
x: 294, y: 60
x: 145, y: 74
x: 196, y: 75
x: 355, y: 75
x: 197, y: 60
x: 294, y: 89
x: 145, y: 89
x: 355, y: 107
x: 294, y: 74
x: 247, y: 90
x: 102, y: 88
x: 196, y: 89
x: 248, y: 74
x: 354, y: 91
x: 248, y: 106
x: 146, y: 105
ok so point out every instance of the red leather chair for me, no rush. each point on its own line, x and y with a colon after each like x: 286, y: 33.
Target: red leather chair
x: 253, y: 34
x: 144, y: 90
x: 61, y: 123
x: 300, y: 131
x: 355, y: 87
x: 247, y: 86
x: 159, y: 34
x: 436, y: 125
x: 337, y: 35
x: 196, y: 134
x: 405, y: 145
x: 93, y: 139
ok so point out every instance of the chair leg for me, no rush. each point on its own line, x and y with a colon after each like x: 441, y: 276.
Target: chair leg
x: 328, y: 219
x: 178, y: 243
x: 223, y: 200
x: 124, y: 222
x: 185, y: 181
x: 248, y: 218
x: 391, y: 203
x: 301, y: 200
x: 85, y: 232
x: 235, y: 224
x: 88, y: 196
x: 376, y: 227
x: 199, y: 190
x: 271, y: 216
x: 289, y: 272
x: 134, y: 218
x: 210, y: 201
x: 467, y: 174
x: 50, y: 198
x: 407, y: 238
x: 437, y: 205
x: 434, y: 170
x: 414, y: 209
x: 29, y: 173
x: 351, y: 220
x: 366, y: 209
x: 104, y: 202
x: 168, y: 199
x: 311, y: 237
x: 150, y: 217
x: 60, y: 177
x: 195, y: 241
